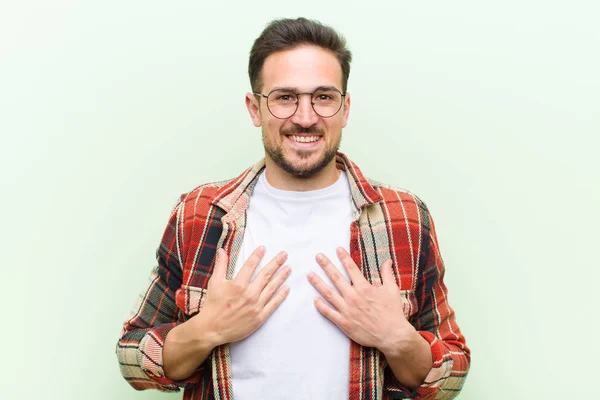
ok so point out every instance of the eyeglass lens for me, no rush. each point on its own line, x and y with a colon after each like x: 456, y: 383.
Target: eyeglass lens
x: 283, y: 103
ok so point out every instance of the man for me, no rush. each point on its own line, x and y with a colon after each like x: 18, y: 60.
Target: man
x: 364, y: 313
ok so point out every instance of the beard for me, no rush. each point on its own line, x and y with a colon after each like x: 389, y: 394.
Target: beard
x: 304, y: 169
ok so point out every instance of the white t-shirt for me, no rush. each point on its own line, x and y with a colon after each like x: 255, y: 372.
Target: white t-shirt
x: 297, y: 353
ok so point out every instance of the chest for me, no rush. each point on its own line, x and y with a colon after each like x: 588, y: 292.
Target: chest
x: 371, y: 239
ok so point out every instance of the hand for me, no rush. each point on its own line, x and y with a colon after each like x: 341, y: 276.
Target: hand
x: 370, y: 315
x: 238, y: 307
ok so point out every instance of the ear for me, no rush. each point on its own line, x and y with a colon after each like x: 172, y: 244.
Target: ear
x: 253, y: 106
x: 346, y: 110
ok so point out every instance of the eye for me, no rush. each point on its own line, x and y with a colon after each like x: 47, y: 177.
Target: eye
x: 282, y: 96
x: 324, y: 97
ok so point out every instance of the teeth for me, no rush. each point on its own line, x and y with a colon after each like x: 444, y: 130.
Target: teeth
x: 305, y: 139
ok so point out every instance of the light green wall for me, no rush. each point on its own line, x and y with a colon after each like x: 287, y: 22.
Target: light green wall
x: 486, y: 110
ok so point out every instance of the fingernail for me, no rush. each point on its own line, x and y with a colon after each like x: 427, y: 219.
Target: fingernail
x: 283, y: 256
x: 339, y: 249
x: 319, y: 257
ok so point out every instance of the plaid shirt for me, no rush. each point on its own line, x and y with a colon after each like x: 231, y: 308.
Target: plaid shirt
x: 388, y: 223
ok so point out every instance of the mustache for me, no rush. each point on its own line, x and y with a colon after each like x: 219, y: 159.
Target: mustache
x: 294, y: 130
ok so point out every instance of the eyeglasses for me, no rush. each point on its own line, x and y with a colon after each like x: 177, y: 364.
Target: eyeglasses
x: 283, y: 103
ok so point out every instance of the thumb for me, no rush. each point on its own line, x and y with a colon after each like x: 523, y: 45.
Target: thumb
x: 221, y: 262
x: 387, y: 275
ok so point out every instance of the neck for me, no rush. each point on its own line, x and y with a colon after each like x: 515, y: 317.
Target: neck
x: 280, y: 179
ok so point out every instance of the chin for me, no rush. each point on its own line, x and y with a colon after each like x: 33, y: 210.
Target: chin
x: 303, y: 167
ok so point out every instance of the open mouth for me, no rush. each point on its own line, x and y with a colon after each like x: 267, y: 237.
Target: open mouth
x: 304, y: 138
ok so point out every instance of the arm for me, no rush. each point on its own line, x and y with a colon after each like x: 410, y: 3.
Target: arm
x: 158, y: 350
x: 435, y: 322
x: 187, y: 346
x: 140, y: 347
x: 427, y: 352
x: 232, y: 311
x: 410, y: 359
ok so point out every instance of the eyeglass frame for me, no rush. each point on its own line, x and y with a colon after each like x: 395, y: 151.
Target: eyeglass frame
x: 312, y: 104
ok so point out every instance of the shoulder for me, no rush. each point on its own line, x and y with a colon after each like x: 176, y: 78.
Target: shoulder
x: 204, y: 192
x: 199, y: 198
x: 395, y: 194
x: 399, y: 203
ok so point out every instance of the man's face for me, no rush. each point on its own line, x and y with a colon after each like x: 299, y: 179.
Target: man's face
x: 288, y: 142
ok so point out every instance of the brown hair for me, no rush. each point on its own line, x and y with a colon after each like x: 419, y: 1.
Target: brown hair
x: 286, y: 34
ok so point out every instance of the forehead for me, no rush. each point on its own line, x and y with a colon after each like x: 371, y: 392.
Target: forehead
x: 303, y: 68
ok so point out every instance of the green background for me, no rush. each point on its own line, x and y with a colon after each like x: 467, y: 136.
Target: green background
x: 489, y: 111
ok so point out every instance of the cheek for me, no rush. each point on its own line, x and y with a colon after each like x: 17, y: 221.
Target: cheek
x: 334, y: 126
x: 272, y: 128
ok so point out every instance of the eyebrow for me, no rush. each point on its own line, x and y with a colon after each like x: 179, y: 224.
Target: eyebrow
x: 295, y: 89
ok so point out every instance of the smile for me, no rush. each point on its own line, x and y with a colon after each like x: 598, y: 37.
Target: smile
x: 304, y: 139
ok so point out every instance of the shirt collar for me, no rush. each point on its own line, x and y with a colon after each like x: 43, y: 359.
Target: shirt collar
x: 234, y: 196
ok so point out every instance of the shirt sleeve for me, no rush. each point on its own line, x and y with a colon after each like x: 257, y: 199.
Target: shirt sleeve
x: 435, y: 321
x: 155, y: 313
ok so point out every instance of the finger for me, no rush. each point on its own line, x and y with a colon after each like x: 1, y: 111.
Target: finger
x: 247, y: 270
x: 267, y: 272
x: 221, y: 262
x: 338, y: 280
x: 275, y: 302
x: 274, y: 284
x: 354, y: 273
x: 326, y: 291
x: 329, y: 313
x: 387, y: 275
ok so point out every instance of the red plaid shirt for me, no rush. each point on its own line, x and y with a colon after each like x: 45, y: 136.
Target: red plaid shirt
x: 388, y: 223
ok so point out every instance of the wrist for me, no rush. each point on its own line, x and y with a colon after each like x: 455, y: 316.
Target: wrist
x: 195, y: 336
x: 400, y: 341
x: 201, y: 332
x: 410, y: 359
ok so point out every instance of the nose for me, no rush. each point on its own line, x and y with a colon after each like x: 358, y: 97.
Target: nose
x: 305, y: 115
